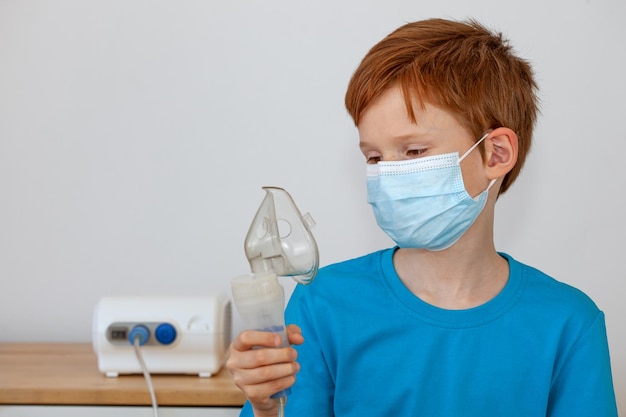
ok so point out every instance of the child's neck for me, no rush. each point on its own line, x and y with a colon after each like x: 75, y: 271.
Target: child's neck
x: 450, y: 280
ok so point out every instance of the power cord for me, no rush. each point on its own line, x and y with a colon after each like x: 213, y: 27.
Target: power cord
x: 146, y: 374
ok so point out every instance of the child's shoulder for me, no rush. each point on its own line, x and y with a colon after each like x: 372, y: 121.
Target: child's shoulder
x: 552, y: 295
x: 345, y: 272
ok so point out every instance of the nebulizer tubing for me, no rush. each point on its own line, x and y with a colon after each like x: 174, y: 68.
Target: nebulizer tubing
x: 281, y: 406
x: 279, y: 243
x: 138, y: 337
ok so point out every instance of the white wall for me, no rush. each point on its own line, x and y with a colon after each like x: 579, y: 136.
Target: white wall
x: 135, y: 136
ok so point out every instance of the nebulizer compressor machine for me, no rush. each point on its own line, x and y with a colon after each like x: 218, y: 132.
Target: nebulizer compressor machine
x: 279, y: 243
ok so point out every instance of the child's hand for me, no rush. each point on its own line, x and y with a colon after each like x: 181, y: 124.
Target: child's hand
x: 259, y: 372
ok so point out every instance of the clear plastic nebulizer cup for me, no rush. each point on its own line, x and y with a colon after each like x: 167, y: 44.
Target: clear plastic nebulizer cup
x: 260, y: 301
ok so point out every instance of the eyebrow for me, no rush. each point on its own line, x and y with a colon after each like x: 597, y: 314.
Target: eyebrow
x: 422, y: 137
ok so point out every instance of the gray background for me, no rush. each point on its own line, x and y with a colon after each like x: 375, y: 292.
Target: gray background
x: 135, y: 136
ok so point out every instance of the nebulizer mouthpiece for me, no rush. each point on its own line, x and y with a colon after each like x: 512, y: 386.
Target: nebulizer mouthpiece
x: 279, y: 243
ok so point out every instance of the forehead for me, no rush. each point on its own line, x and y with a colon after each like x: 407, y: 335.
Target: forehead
x: 387, y: 117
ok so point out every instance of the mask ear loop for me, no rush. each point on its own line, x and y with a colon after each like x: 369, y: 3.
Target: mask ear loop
x: 493, y: 181
x: 473, y: 147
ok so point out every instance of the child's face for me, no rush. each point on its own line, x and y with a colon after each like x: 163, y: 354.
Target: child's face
x: 387, y: 134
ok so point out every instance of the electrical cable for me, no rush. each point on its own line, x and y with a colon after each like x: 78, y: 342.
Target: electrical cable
x: 146, y: 375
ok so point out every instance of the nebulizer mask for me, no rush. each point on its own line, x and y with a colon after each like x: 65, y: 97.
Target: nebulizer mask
x: 279, y: 243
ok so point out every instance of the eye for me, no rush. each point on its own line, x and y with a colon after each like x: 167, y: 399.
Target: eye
x: 415, y: 153
x: 373, y: 159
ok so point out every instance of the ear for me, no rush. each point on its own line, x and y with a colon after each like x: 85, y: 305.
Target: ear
x: 500, y: 152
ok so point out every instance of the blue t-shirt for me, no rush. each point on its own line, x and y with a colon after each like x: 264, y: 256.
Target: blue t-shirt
x: 372, y: 348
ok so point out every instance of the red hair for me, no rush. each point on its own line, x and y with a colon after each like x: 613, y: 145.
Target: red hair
x: 460, y: 67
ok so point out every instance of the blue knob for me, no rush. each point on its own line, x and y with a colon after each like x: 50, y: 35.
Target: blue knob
x: 165, y: 333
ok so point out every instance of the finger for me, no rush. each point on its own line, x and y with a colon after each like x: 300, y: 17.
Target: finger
x: 249, y: 339
x: 259, y: 384
x: 266, y: 374
x: 260, y: 357
x: 259, y: 394
x: 294, y: 334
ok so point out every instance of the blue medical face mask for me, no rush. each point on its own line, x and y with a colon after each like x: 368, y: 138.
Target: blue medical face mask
x: 422, y: 202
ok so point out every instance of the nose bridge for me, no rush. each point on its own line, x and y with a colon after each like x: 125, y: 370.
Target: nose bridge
x: 392, y: 155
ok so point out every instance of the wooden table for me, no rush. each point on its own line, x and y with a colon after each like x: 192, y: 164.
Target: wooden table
x: 67, y: 374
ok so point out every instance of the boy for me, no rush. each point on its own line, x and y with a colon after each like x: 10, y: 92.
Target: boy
x: 442, y: 324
